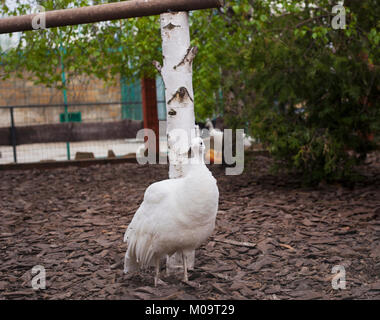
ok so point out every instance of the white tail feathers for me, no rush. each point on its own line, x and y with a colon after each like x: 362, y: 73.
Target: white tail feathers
x: 130, y: 265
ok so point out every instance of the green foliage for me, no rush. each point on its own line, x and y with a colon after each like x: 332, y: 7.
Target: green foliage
x: 104, y: 50
x: 309, y: 92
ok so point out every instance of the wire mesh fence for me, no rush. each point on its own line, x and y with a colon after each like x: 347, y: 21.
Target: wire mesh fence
x: 34, y: 133
x: 99, y: 122
x: 87, y: 119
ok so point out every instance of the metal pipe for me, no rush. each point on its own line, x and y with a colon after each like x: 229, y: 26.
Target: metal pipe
x: 104, y: 12
x: 79, y: 104
x: 13, y: 135
x: 66, y: 113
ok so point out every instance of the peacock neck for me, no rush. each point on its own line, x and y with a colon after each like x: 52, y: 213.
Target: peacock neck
x: 197, y: 164
x: 199, y: 158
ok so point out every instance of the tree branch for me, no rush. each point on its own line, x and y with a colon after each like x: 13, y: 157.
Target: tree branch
x: 189, y: 57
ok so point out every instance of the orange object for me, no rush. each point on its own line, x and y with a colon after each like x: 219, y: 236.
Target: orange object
x: 213, y: 157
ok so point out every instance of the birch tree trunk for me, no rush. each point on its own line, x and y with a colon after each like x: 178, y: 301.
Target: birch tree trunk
x: 177, y: 74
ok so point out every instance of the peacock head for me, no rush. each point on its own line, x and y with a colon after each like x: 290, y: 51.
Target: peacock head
x: 209, y: 124
x: 197, y: 146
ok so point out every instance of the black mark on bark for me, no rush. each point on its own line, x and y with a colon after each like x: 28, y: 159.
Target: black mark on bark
x: 181, y: 95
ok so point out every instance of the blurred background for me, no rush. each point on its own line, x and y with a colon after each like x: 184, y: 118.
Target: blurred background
x: 306, y: 90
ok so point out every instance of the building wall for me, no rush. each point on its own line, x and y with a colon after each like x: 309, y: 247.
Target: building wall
x: 19, y: 92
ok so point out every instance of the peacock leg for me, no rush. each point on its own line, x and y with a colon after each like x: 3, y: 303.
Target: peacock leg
x: 157, y: 272
x: 184, y: 259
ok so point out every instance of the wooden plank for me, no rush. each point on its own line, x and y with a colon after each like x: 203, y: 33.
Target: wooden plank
x: 149, y: 104
x: 5, y: 137
x: 72, y: 132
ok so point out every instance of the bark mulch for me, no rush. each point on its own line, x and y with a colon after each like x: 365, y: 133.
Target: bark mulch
x: 274, y: 238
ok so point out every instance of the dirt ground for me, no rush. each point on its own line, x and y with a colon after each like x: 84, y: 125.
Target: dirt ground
x: 72, y: 222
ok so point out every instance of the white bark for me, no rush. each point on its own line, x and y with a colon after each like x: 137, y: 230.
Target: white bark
x: 177, y: 74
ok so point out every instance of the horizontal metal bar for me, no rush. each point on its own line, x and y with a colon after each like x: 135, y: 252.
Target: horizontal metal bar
x: 79, y: 104
x: 104, y: 12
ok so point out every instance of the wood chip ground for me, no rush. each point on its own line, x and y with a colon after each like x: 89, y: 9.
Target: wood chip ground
x: 72, y: 222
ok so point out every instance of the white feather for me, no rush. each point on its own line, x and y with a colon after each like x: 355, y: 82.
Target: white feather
x: 248, y: 140
x: 176, y: 215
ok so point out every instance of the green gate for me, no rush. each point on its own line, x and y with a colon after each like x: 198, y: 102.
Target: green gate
x: 131, y: 95
x: 161, y: 105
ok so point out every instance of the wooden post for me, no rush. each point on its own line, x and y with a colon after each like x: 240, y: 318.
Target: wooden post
x: 149, y: 105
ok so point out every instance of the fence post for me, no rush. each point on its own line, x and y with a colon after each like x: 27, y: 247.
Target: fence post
x: 13, y: 135
x: 149, y: 106
x: 61, y: 53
